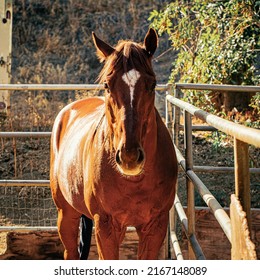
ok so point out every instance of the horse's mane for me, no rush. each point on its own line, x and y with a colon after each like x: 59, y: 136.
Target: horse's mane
x: 127, y: 55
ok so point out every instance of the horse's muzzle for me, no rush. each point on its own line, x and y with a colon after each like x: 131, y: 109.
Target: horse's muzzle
x: 130, y: 162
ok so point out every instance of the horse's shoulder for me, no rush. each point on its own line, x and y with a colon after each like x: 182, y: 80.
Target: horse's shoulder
x: 69, y: 114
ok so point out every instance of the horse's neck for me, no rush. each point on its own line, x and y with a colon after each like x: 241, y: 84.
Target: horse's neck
x: 107, y: 136
x: 150, y: 140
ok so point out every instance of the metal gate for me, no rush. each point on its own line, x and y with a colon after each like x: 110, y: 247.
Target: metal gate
x: 243, y: 136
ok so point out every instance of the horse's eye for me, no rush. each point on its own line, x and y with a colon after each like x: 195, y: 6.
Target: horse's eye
x: 106, y: 87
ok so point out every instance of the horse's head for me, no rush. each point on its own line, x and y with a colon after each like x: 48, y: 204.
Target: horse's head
x: 129, y: 81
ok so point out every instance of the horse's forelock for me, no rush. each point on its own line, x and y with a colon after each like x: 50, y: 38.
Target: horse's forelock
x: 128, y: 55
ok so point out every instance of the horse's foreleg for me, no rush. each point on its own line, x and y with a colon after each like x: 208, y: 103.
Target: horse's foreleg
x: 151, y: 237
x: 68, y: 228
x: 108, y: 238
x: 68, y: 223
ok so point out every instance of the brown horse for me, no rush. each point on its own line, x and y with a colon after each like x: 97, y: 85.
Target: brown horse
x: 112, y: 159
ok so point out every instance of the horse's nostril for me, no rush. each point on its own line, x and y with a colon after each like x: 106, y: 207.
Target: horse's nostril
x: 140, y: 156
x: 118, y: 161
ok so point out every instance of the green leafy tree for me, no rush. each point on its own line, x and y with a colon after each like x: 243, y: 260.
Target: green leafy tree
x: 217, y: 42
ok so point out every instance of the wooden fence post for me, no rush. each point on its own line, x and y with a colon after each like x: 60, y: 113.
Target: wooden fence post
x: 242, y: 179
x: 242, y: 246
x: 6, y: 18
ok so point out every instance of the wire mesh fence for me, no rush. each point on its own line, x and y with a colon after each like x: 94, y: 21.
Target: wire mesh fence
x: 27, y: 206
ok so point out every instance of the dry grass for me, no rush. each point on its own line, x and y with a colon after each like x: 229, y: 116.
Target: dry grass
x: 52, y: 41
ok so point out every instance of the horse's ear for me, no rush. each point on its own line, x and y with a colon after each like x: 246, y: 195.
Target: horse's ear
x: 151, y: 41
x: 103, y: 49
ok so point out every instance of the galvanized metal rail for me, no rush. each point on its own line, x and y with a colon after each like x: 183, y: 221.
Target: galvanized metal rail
x: 240, y: 132
x: 234, y: 88
x: 21, y: 134
x: 59, y: 87
x: 243, y: 136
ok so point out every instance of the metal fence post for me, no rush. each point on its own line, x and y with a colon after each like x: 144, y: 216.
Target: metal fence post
x: 189, y: 184
x: 6, y: 16
x: 175, y: 136
x: 168, y: 110
x: 176, y: 118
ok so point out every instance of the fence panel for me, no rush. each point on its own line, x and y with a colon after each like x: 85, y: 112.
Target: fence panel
x: 243, y: 136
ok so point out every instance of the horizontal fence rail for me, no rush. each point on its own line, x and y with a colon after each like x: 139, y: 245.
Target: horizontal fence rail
x: 207, y: 196
x: 29, y: 134
x: 58, y: 87
x: 233, y: 88
x: 245, y: 134
x: 24, y: 183
x: 52, y: 87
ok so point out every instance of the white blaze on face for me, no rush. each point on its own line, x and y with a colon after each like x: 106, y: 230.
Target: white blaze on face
x: 131, y: 78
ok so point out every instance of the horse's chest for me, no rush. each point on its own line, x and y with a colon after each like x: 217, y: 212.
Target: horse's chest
x: 131, y: 205
x: 132, y: 213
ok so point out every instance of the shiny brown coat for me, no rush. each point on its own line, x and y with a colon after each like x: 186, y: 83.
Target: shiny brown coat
x: 112, y: 158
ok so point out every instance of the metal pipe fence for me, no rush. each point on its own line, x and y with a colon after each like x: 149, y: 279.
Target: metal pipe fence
x: 59, y: 87
x: 240, y: 132
x: 234, y: 88
x: 243, y: 136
